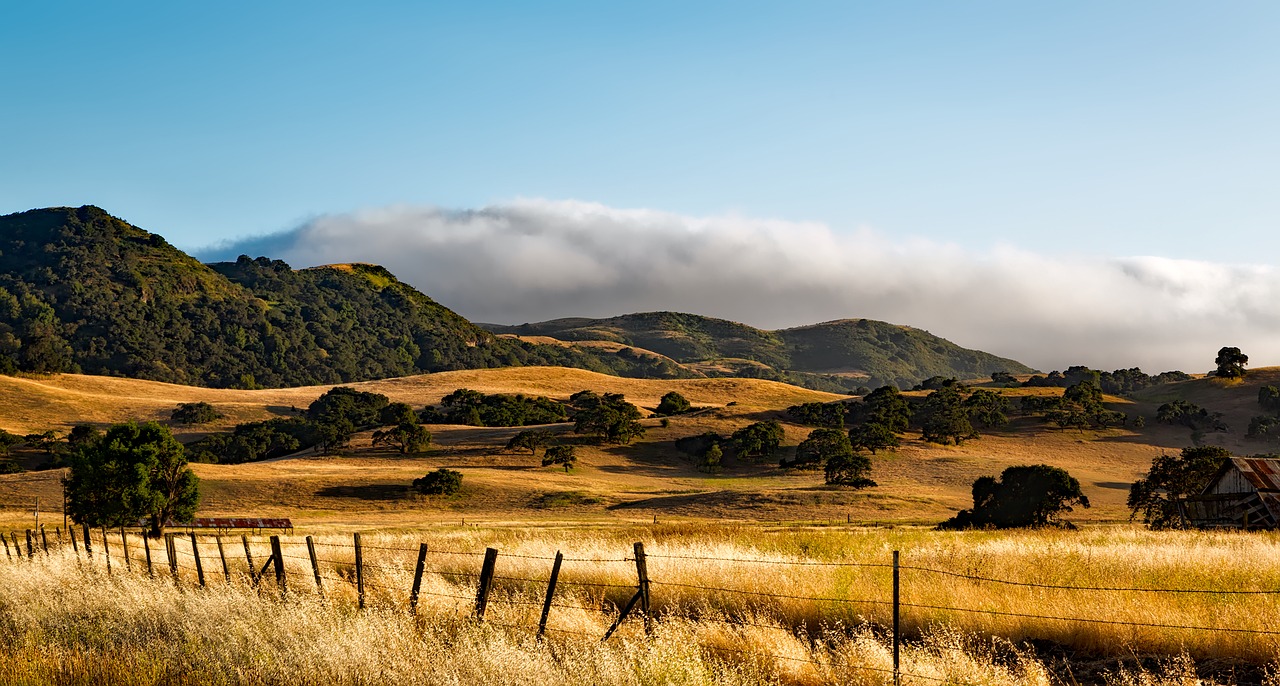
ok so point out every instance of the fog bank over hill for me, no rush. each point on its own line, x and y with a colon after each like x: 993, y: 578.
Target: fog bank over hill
x: 532, y: 260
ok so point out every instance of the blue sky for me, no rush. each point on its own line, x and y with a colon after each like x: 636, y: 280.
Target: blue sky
x: 1095, y: 128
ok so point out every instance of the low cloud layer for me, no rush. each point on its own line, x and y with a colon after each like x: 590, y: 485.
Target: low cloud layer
x: 533, y: 260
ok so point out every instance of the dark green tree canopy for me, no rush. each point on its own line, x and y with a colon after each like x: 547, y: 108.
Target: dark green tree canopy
x: 439, y: 482
x: 610, y: 417
x: 133, y: 472
x: 672, y: 404
x: 853, y: 469
x: 873, y: 437
x: 190, y: 414
x: 560, y: 455
x: 944, y: 418
x: 758, y: 441
x: 407, y: 437
x: 359, y: 408
x: 1024, y: 496
x: 532, y: 440
x: 821, y: 445
x: 886, y: 406
x: 1231, y: 363
x: 1269, y: 398
x: 987, y: 409
x: 1158, y: 496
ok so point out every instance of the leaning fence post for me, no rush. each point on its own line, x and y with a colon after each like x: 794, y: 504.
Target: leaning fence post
x: 88, y: 543
x: 7, y: 552
x: 124, y: 547
x: 31, y: 549
x: 486, y: 581
x: 171, y: 550
x: 14, y: 535
x: 359, y: 569
x: 315, y: 564
x: 146, y: 545
x: 642, y: 575
x: 106, y: 549
x: 226, y: 571
x: 195, y: 552
x: 417, y: 578
x: 75, y: 546
x: 551, y: 591
x: 248, y: 558
x: 897, y: 635
x: 278, y: 557
x: 44, y: 540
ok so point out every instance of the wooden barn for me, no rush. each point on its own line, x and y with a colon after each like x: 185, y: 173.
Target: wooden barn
x: 1244, y: 494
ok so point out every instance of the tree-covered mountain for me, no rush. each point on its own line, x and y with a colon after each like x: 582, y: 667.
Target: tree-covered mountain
x: 833, y: 355
x: 82, y: 291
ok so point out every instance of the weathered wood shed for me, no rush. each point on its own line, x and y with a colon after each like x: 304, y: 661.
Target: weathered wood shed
x: 1244, y: 494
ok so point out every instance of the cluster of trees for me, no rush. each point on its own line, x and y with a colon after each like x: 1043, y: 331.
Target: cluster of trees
x: 609, y: 417
x: 1022, y: 496
x: 831, y: 451
x: 1188, y: 414
x: 326, y: 425
x: 672, y: 404
x: 1118, y: 382
x: 473, y: 408
x: 1079, y: 407
x: 1157, y: 497
x: 554, y: 452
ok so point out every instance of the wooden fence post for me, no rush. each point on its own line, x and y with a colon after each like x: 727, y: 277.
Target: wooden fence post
x: 58, y: 530
x: 44, y: 540
x: 897, y: 634
x: 14, y: 535
x: 7, y: 552
x: 642, y: 576
x: 124, y: 548
x: 278, y: 557
x: 31, y: 549
x: 417, y: 578
x: 74, y: 544
x: 106, y: 550
x: 551, y: 592
x: 171, y: 549
x: 88, y: 543
x: 248, y: 558
x: 315, y: 565
x: 359, y: 569
x: 226, y: 571
x: 146, y: 545
x: 486, y: 581
x: 195, y: 552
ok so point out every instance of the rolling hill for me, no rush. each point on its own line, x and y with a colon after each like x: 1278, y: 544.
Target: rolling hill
x: 838, y: 355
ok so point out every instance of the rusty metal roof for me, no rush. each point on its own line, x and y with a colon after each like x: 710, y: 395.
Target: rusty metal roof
x: 1263, y: 473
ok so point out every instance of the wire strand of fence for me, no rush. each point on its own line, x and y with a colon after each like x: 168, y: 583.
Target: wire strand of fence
x: 796, y: 563
x: 773, y: 595
x: 1104, y: 589
x: 1090, y: 620
x: 562, y: 582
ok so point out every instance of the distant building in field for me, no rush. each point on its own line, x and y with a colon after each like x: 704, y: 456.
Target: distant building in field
x: 1244, y: 494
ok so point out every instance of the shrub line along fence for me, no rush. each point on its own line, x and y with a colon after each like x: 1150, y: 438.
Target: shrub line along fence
x: 175, y: 546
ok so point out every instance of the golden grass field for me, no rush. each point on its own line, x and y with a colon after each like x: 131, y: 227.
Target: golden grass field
x: 76, y: 625
x: 67, y: 621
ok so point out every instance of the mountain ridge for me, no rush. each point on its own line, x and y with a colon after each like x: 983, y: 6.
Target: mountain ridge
x: 83, y: 291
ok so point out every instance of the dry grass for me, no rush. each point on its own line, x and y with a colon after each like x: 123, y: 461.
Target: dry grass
x: 65, y: 620
x: 62, y: 400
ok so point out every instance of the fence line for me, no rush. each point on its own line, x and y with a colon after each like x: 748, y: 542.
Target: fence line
x: 355, y: 573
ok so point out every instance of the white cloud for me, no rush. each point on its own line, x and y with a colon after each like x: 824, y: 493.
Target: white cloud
x: 531, y: 260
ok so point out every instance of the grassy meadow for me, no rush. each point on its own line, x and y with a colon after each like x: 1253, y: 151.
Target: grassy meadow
x: 720, y: 621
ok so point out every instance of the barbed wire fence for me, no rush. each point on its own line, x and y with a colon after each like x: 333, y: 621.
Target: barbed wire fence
x: 294, y: 565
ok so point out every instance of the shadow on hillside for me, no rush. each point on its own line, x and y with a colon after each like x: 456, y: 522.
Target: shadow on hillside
x: 282, y: 411
x: 366, y: 492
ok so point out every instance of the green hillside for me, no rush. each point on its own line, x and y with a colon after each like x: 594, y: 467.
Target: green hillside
x: 82, y: 291
x: 838, y: 355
